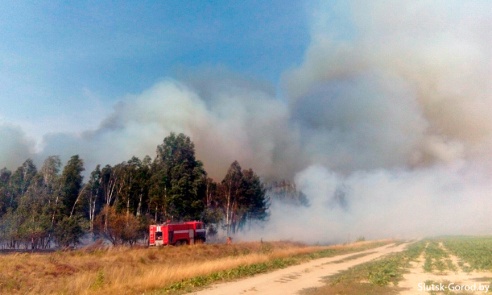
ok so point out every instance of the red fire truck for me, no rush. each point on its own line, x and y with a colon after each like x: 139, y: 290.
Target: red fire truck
x: 191, y: 232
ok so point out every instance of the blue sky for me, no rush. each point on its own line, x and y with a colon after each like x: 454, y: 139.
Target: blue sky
x: 58, y: 56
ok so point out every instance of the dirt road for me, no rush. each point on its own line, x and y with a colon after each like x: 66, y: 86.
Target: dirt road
x: 293, y: 279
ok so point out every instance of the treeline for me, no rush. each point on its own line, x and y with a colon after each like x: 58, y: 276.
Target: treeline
x: 41, y: 208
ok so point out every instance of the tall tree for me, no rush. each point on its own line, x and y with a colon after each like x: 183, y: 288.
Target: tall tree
x: 9, y: 229
x: 182, y: 178
x: 232, y: 188
x: 140, y: 188
x: 132, y: 178
x: 35, y: 206
x: 4, y: 190
x: 257, y: 202
x: 68, y: 228
x: 243, y: 198
x: 213, y: 214
x: 158, y: 192
x: 50, y: 174
x: 93, y: 196
x: 20, y: 181
x: 71, y: 184
x: 108, y: 183
x: 33, y: 210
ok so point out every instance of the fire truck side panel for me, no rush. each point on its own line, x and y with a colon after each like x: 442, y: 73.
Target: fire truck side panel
x: 198, y: 229
x: 152, y: 230
x: 170, y: 238
x: 165, y: 235
x: 180, y: 233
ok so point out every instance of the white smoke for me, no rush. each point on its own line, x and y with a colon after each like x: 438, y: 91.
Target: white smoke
x: 227, y: 122
x: 15, y: 147
x: 395, y: 120
x: 385, y: 204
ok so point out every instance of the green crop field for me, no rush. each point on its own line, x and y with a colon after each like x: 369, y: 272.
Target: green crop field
x: 434, y: 259
x: 474, y: 251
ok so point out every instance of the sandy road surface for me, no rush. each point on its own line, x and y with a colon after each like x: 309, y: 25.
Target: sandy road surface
x: 293, y: 279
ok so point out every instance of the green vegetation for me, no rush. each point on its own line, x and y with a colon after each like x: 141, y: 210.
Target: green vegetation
x: 382, y: 276
x: 41, y: 208
x: 476, y: 252
x: 436, y: 258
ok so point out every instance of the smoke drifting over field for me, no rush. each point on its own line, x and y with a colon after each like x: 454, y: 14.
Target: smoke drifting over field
x: 398, y: 120
x: 393, y: 114
x: 451, y: 199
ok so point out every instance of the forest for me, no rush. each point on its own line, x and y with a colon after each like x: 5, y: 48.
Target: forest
x: 52, y: 206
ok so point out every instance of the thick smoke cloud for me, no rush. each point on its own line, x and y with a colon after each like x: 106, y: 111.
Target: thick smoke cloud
x: 410, y: 87
x: 238, y: 120
x: 385, y: 126
x: 15, y: 147
x: 384, y: 204
x: 397, y: 118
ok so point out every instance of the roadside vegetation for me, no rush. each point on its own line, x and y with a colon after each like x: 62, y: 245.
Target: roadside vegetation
x: 164, y: 270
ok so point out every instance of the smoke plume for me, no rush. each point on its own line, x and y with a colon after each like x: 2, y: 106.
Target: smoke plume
x: 237, y: 120
x: 395, y: 122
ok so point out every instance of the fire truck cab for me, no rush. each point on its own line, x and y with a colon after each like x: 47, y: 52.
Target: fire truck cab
x: 191, y: 232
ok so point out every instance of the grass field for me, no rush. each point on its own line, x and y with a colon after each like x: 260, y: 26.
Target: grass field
x: 383, y: 276
x: 165, y: 270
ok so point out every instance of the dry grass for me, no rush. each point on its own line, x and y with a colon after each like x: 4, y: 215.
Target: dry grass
x: 132, y: 270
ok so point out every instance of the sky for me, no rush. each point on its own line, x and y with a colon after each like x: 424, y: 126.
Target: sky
x: 378, y: 110
x: 64, y: 65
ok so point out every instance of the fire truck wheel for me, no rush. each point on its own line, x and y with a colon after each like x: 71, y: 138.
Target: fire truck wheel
x: 199, y: 241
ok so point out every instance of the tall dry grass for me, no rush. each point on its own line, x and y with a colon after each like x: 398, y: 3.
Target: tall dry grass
x: 131, y: 270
